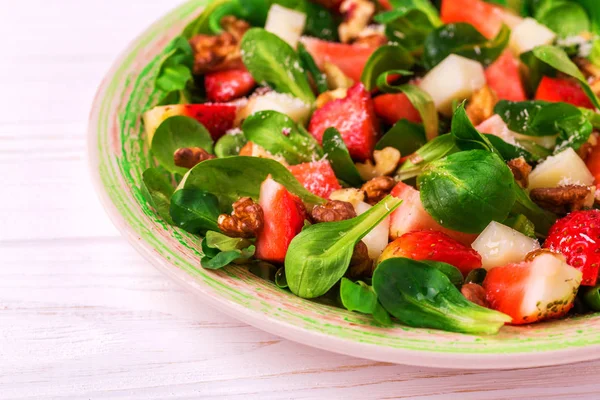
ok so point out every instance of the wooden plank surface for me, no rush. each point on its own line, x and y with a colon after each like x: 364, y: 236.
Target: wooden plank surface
x: 82, y: 315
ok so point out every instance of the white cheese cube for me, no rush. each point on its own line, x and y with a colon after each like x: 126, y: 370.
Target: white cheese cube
x: 500, y: 245
x: 377, y: 239
x: 565, y: 168
x: 529, y: 34
x: 293, y: 107
x: 286, y: 23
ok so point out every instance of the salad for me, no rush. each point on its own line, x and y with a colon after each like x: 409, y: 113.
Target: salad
x: 429, y: 163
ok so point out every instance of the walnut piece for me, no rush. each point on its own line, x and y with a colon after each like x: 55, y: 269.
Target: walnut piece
x: 357, y: 15
x: 333, y: 210
x: 520, y: 170
x: 386, y: 163
x: 481, y: 106
x: 350, y: 195
x: 377, y: 188
x: 361, y: 266
x: 371, y: 39
x: 475, y: 294
x: 220, y: 52
x: 330, y: 95
x: 189, y: 157
x: 564, y: 199
x: 245, y: 220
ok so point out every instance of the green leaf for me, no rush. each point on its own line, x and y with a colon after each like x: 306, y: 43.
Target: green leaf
x: 510, y: 151
x: 591, y: 297
x: 220, y: 250
x: 542, y: 219
x: 591, y: 6
x: 465, y: 135
x: 424, y: 6
x: 434, y: 150
x: 476, y: 276
x: 558, y: 59
x: 174, y: 77
x: 230, y: 144
x: 409, y: 23
x: 386, y: 58
x: 357, y: 296
x: 451, y: 272
x: 309, y: 64
x: 279, y: 135
x: 535, y: 71
x: 194, y: 210
x: 280, y: 279
x: 200, y: 25
x: 405, y: 136
x: 566, y: 18
x: 175, y: 133
x: 319, y: 256
x: 157, y: 190
x: 270, y: 59
x: 463, y: 39
x: 521, y: 223
x: 466, y: 191
x: 320, y: 23
x: 339, y: 157
x: 234, y: 177
x: 422, y: 296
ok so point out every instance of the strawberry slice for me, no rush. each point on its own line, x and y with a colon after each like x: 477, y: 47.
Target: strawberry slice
x: 411, y: 216
x: 593, y: 164
x: 217, y: 118
x: 532, y: 291
x: 351, y: 59
x: 354, y: 117
x: 317, y: 177
x: 485, y: 17
x: 504, y: 78
x: 562, y: 89
x: 391, y: 108
x: 434, y: 246
x: 284, y: 216
x: 223, y: 86
x: 577, y: 237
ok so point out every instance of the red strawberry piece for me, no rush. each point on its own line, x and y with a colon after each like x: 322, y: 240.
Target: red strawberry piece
x: 504, y: 78
x: 284, y: 216
x: 593, y: 163
x: 317, y: 177
x: 562, y: 89
x: 577, y: 237
x: 223, y: 86
x: 391, y: 108
x: 434, y: 246
x: 354, y: 117
x: 485, y: 17
x: 532, y: 291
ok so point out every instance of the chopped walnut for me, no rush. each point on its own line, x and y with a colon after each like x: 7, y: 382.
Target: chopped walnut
x: 377, y: 188
x: 350, y: 195
x: 220, y: 52
x: 361, y: 266
x: 372, y: 39
x: 586, y: 149
x: 481, y: 106
x: 330, y: 95
x: 357, y: 15
x: 564, y: 199
x: 520, y: 170
x: 475, y: 294
x: 333, y: 210
x: 189, y: 157
x: 336, y: 79
x: 386, y: 163
x: 245, y: 220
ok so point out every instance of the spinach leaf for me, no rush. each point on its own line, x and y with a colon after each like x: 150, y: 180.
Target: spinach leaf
x: 270, y: 59
x: 424, y: 6
x: 463, y: 39
x: 234, y: 177
x: 339, y: 157
x: 405, y: 136
x: 384, y: 59
x: 566, y: 18
x: 465, y: 135
x: 467, y: 190
x: 434, y: 150
x: 194, y: 210
x: 320, y: 22
x: 319, y: 256
x: 175, y: 133
x: 510, y: 151
x: 451, y: 272
x: 535, y: 71
x: 174, y: 76
x: 591, y: 7
x: 542, y: 219
x: 476, y: 276
x: 360, y: 297
x: 220, y: 250
x: 280, y: 279
x: 280, y: 135
x: 201, y: 23
x: 263, y: 269
x: 559, y: 60
x: 309, y: 65
x: 230, y: 144
x: 157, y: 191
x: 421, y: 296
x: 419, y: 98
x: 521, y: 223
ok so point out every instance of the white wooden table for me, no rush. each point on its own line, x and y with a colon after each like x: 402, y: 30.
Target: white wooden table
x: 82, y: 315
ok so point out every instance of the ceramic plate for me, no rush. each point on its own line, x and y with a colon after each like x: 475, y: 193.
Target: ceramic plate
x: 118, y: 156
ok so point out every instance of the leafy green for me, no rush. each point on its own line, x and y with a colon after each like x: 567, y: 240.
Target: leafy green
x: 194, y: 210
x: 279, y: 135
x: 234, y: 177
x: 535, y: 71
x: 220, y: 250
x: 566, y: 18
x: 559, y: 60
x: 434, y: 150
x: 421, y: 296
x: 200, y: 25
x: 230, y: 144
x: 263, y: 270
x: 385, y: 58
x: 270, y: 59
x: 591, y: 7
x: 453, y: 273
x: 360, y: 297
x: 476, y: 276
x: 542, y: 219
x: 510, y: 151
x: 405, y: 136
x: 175, y: 133
x: 467, y: 190
x: 339, y: 157
x: 591, y: 297
x: 309, y: 65
x: 465, y: 135
x: 319, y: 256
x: 174, y: 77
x: 463, y: 39
x: 521, y: 223
x: 157, y: 191
x: 280, y: 279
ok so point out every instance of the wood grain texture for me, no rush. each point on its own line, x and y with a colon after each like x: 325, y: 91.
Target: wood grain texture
x: 82, y: 315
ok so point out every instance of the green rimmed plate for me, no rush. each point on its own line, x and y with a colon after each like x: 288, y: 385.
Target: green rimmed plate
x: 118, y: 156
